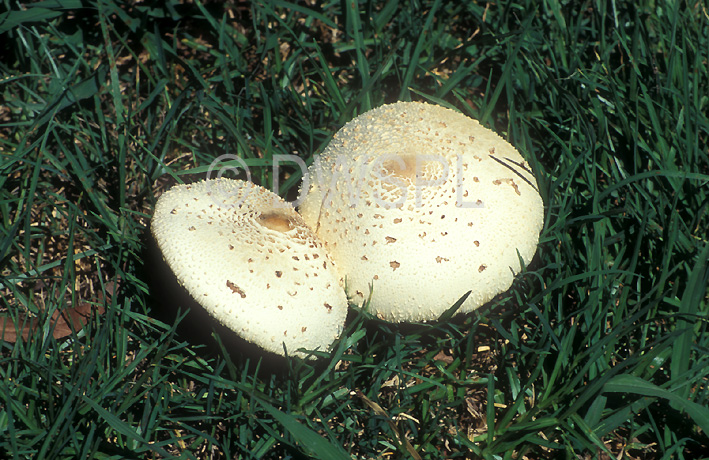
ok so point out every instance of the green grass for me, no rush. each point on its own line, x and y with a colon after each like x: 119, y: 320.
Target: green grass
x: 600, y: 350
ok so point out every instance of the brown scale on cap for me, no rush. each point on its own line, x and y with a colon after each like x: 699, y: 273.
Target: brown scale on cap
x: 235, y: 289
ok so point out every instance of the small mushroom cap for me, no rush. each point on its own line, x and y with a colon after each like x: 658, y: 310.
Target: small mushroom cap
x: 424, y: 204
x: 251, y: 261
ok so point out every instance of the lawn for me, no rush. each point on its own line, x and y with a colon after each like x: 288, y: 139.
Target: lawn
x: 599, y: 350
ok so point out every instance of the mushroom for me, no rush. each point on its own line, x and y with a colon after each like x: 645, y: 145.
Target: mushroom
x: 423, y: 204
x: 250, y: 260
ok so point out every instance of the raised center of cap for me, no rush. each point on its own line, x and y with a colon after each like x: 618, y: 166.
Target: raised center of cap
x: 276, y: 221
x: 403, y: 166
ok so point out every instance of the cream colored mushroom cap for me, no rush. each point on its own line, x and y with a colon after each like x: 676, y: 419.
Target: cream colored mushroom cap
x: 423, y: 204
x: 250, y: 260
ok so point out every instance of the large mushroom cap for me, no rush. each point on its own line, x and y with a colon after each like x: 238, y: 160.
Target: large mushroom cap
x: 249, y: 259
x: 423, y: 204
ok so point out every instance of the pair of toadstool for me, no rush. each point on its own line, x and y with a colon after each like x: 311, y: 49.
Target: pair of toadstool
x: 414, y: 203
